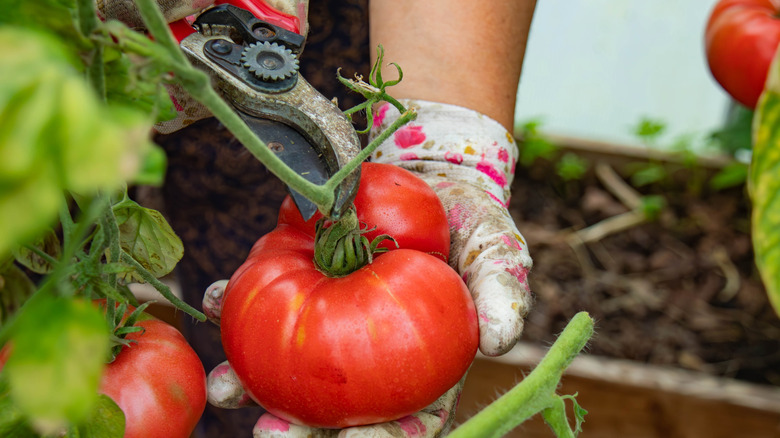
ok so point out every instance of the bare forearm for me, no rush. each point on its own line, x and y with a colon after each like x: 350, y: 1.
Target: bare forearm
x: 461, y: 52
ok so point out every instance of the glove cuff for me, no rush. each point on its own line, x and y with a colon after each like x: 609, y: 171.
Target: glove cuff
x: 451, y: 141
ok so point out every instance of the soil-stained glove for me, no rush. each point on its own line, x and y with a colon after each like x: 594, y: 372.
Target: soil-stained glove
x: 225, y: 391
x: 469, y: 160
x: 188, y: 110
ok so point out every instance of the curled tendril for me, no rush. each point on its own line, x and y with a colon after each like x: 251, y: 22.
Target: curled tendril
x: 373, y: 91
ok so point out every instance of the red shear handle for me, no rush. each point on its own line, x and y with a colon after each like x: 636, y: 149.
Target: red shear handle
x: 183, y: 28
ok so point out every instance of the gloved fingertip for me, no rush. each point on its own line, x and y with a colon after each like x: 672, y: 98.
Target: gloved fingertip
x: 271, y: 426
x: 212, y: 301
x: 225, y: 390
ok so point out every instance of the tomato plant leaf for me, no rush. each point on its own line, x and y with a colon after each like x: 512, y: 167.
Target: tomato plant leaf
x: 55, y: 368
x: 152, y: 167
x: 47, y: 243
x: 579, y: 412
x: 15, y: 288
x: 12, y: 421
x: 106, y: 421
x: 764, y: 186
x: 147, y: 237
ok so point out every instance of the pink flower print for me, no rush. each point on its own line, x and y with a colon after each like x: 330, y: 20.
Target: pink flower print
x: 408, y: 136
x: 379, y: 117
x: 512, y: 243
x: 519, y: 272
x: 503, y: 155
x: 453, y: 157
x: 176, y: 103
x: 460, y: 217
x: 412, y: 426
x: 445, y: 185
x: 497, y: 176
x: 495, y: 198
x: 408, y: 156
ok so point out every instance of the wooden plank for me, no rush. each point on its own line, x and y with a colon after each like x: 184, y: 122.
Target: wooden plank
x: 629, y: 399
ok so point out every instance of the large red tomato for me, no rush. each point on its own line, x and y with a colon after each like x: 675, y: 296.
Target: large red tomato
x: 158, y: 382
x: 372, y: 346
x: 741, y: 39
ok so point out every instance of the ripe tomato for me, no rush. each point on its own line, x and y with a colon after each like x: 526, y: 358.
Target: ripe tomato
x: 158, y: 382
x: 397, y: 203
x: 741, y: 39
x: 375, y: 345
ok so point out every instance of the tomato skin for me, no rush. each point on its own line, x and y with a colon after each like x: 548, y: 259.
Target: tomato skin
x: 741, y: 40
x: 378, y: 344
x: 397, y: 203
x: 158, y: 382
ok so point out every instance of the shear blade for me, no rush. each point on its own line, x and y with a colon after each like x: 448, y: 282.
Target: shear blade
x: 296, y: 152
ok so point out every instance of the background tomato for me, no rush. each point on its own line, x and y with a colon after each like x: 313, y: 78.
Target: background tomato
x: 741, y: 39
x: 397, y: 203
x: 378, y: 344
x: 158, y: 382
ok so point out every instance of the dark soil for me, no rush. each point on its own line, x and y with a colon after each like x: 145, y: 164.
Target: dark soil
x: 680, y: 291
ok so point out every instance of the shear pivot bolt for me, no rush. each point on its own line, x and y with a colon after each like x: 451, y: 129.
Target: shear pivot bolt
x: 222, y: 47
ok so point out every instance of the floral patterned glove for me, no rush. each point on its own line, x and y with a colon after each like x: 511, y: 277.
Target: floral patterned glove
x: 469, y: 160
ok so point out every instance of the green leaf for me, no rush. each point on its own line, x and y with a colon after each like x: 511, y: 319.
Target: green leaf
x: 135, y: 85
x: 15, y: 289
x: 651, y: 206
x: 571, y: 167
x: 105, y: 144
x: 148, y: 238
x: 57, y: 17
x: 579, y: 413
x: 153, y: 168
x: 735, y: 134
x: 55, y: 367
x: 534, y: 144
x: 649, y: 174
x: 733, y: 175
x: 12, y: 420
x: 764, y: 185
x: 106, y: 421
x: 649, y: 130
x: 47, y: 243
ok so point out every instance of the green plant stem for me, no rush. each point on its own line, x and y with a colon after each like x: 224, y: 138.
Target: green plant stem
x: 161, y: 287
x: 88, y: 23
x: 537, y: 390
x: 198, y: 85
x: 555, y: 417
x: 73, y: 238
x: 366, y: 152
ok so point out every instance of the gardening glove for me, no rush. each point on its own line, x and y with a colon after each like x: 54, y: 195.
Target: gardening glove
x: 188, y: 110
x: 469, y: 160
x: 225, y: 391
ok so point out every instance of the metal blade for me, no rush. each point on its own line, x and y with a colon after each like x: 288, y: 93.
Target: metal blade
x: 296, y: 152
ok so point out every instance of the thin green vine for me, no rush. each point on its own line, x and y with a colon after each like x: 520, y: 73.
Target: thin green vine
x: 536, y: 392
x: 198, y: 84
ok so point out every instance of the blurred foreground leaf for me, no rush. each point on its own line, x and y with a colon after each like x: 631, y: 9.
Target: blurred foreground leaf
x: 764, y: 185
x: 59, y: 350
x: 56, y: 134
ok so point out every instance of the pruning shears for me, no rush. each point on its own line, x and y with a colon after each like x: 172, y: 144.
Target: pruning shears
x: 251, y: 51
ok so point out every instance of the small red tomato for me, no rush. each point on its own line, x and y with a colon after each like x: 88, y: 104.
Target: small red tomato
x: 741, y: 40
x: 158, y: 382
x: 393, y: 201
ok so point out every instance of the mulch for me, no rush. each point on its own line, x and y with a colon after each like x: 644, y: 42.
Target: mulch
x: 681, y: 291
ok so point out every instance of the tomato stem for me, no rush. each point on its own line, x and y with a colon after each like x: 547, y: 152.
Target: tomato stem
x: 536, y: 393
x: 341, y: 246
